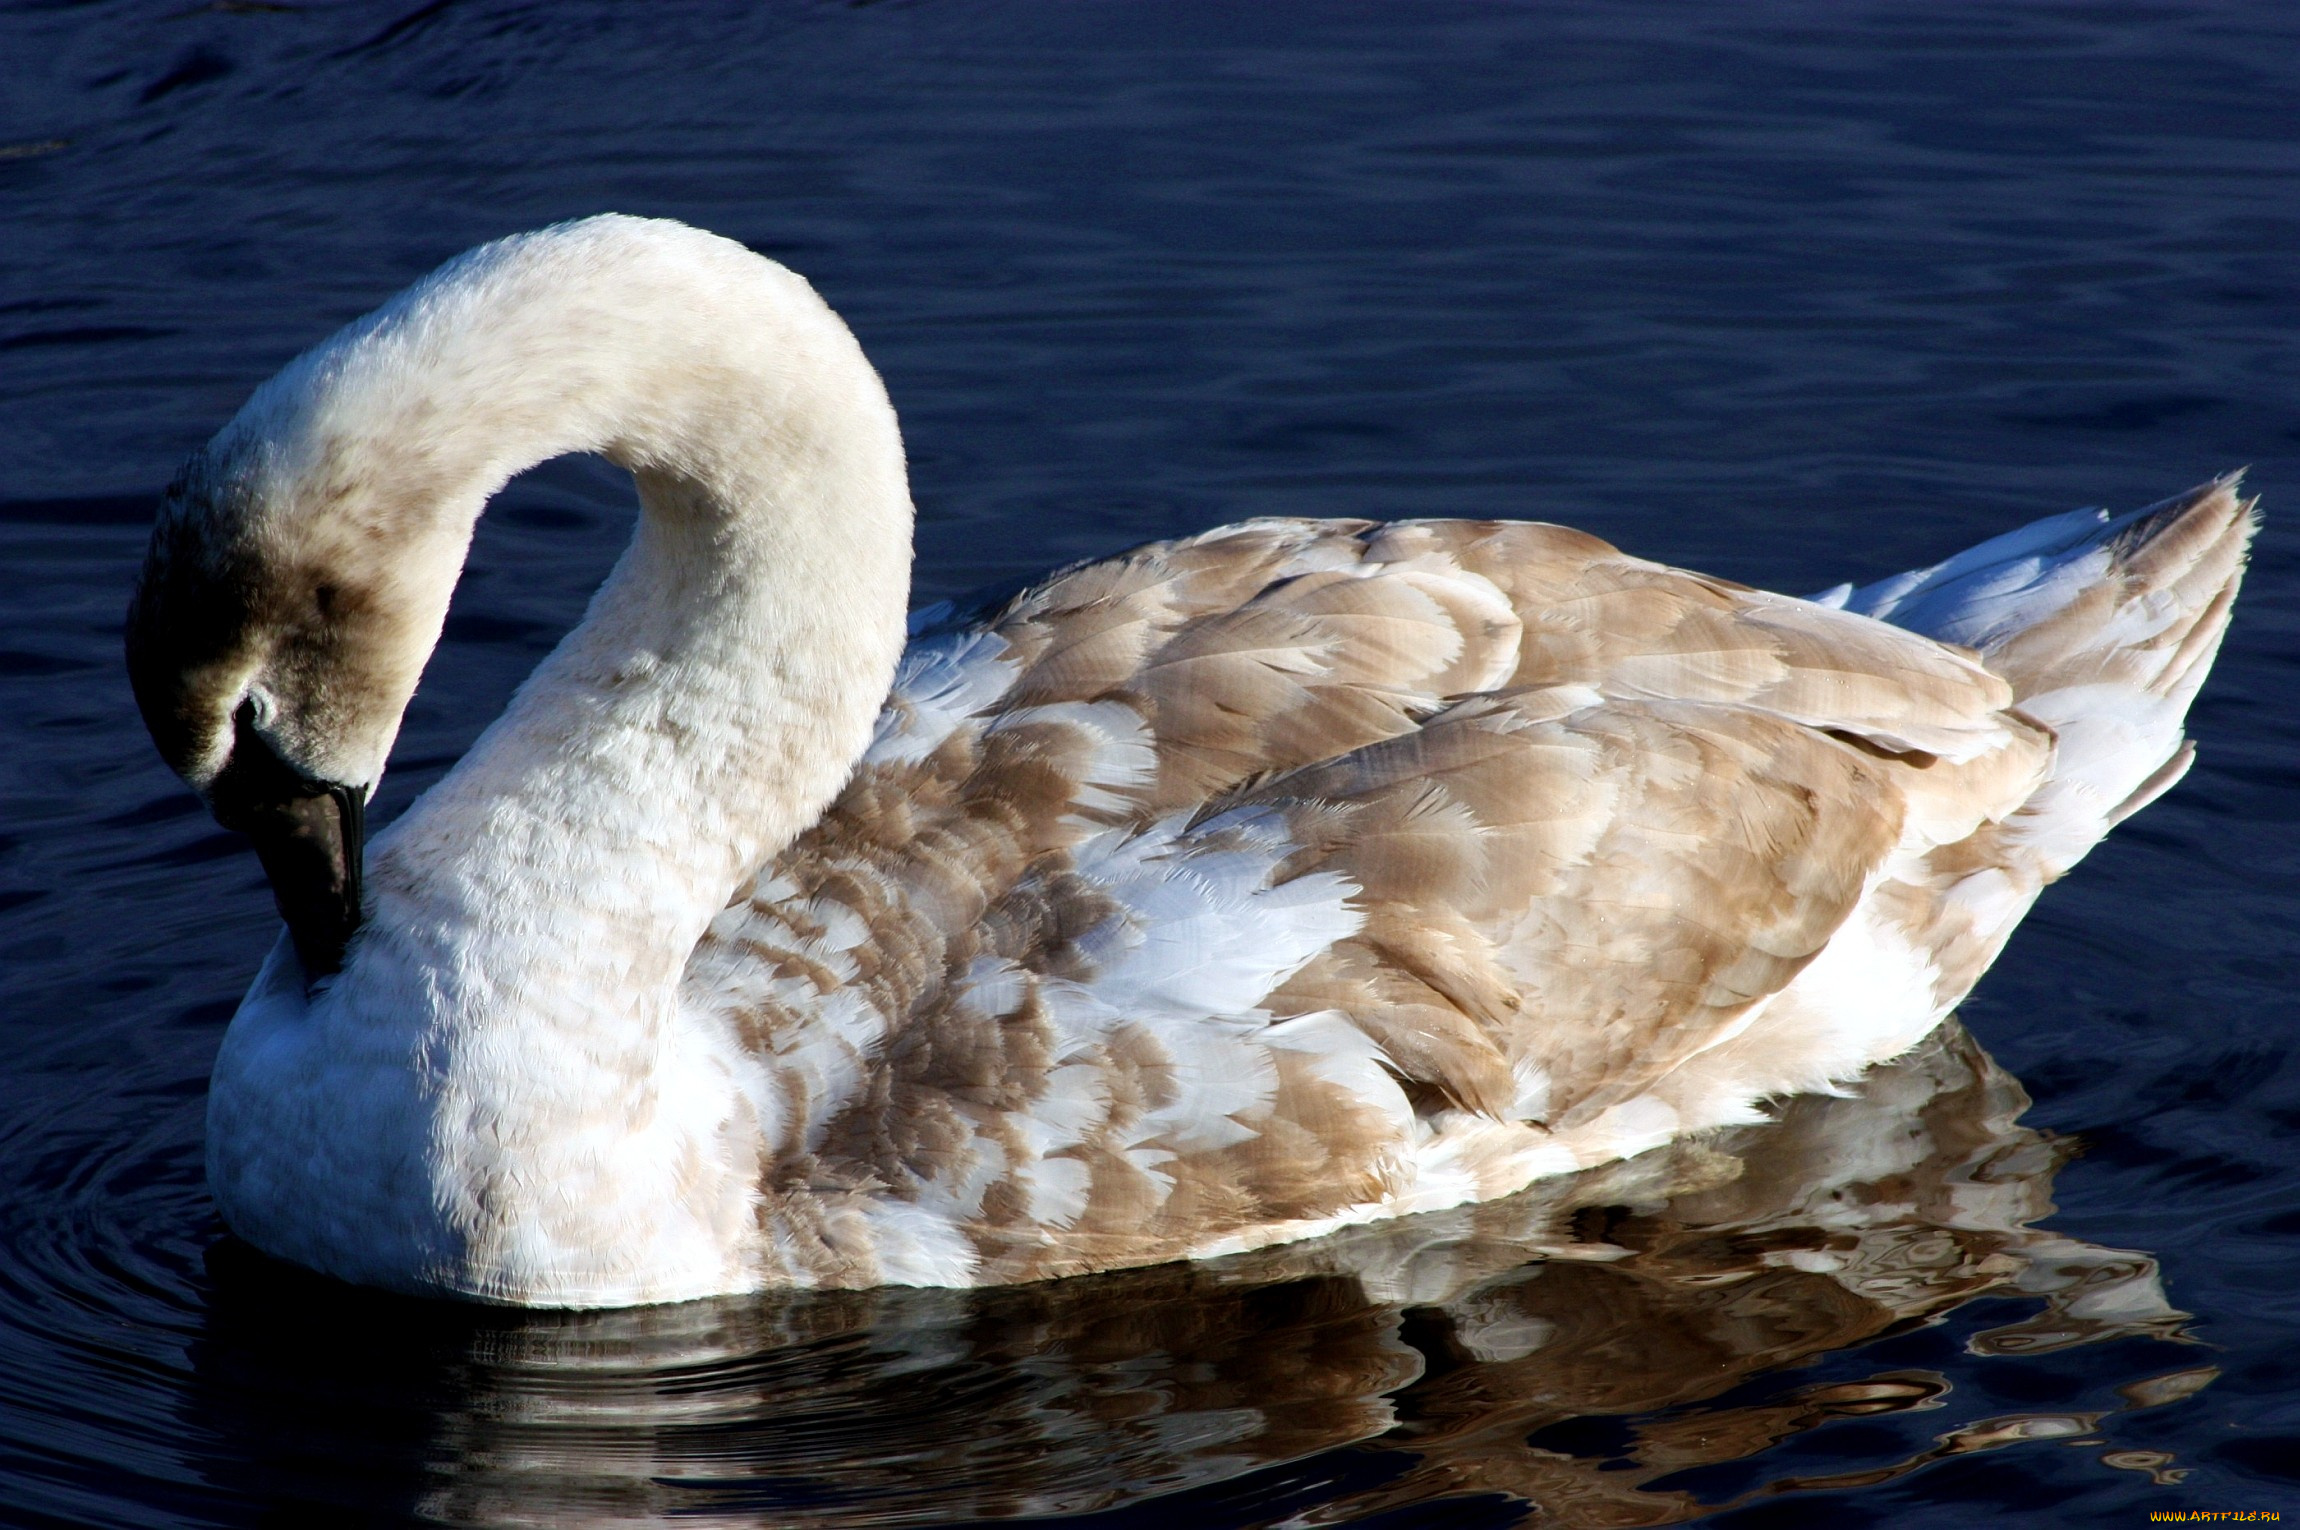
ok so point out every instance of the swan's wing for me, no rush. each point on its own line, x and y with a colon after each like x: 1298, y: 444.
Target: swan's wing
x: 1286, y: 873
x: 1566, y: 895
x: 1275, y: 644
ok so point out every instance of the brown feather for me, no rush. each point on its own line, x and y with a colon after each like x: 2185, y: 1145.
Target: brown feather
x: 1597, y: 814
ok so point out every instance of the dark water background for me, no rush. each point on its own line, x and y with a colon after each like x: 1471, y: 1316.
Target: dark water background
x: 1789, y: 292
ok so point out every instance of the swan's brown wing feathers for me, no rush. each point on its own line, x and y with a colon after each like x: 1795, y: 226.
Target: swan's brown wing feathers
x: 1190, y: 891
x: 1273, y: 645
x: 1567, y: 896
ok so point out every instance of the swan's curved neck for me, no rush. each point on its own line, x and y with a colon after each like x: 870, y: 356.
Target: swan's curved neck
x: 500, y: 1092
x: 725, y: 677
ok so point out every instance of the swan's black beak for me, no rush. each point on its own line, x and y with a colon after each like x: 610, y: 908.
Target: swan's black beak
x: 309, y: 835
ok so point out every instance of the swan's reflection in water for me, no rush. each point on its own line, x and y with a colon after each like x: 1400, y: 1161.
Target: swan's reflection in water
x: 1460, y: 1346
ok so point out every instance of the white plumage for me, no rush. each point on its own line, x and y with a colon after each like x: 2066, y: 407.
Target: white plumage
x: 1289, y: 876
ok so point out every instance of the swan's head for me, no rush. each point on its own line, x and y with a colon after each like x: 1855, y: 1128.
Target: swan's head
x: 301, y: 566
x: 288, y: 600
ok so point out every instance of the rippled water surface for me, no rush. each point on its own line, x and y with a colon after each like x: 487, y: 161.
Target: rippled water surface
x: 1794, y: 293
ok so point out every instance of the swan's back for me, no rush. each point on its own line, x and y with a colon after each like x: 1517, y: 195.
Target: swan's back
x: 1306, y: 872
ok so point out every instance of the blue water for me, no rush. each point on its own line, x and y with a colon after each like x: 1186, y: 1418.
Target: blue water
x: 1789, y: 292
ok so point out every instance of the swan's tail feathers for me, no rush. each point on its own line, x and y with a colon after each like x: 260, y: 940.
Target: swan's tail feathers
x: 2105, y: 626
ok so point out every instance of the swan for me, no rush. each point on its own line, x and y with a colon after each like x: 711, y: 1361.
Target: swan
x: 1226, y: 892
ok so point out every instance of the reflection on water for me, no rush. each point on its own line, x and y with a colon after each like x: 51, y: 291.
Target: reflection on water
x: 1576, y: 1347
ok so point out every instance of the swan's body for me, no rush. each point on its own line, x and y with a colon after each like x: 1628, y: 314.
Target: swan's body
x: 1239, y: 888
